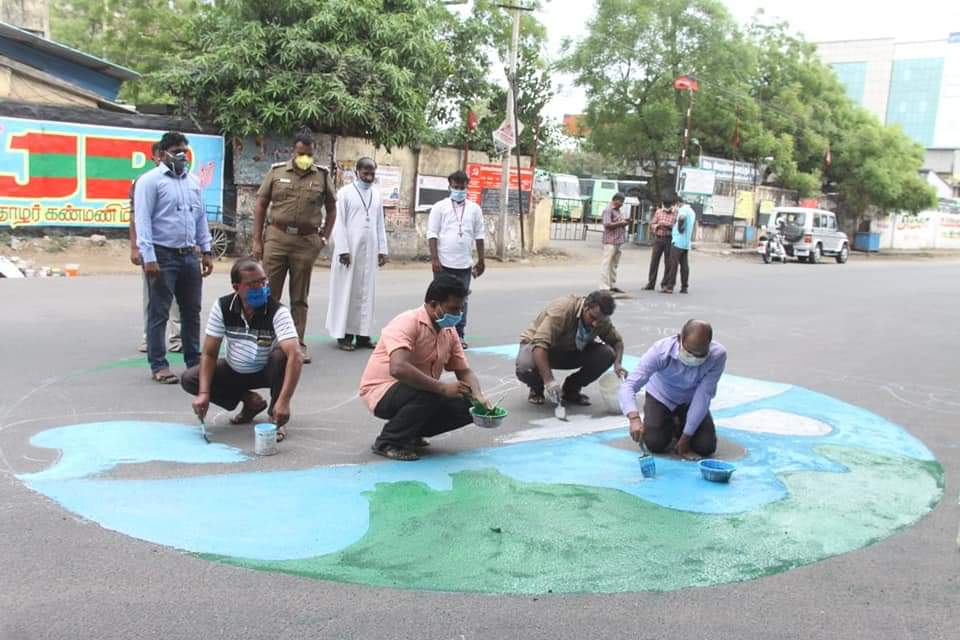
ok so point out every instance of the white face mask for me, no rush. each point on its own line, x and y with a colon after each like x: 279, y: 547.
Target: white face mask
x: 688, y: 359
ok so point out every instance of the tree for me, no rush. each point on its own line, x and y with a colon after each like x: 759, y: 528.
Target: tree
x: 143, y: 35
x: 358, y: 67
x: 763, y: 93
x: 627, y: 62
x: 534, y: 87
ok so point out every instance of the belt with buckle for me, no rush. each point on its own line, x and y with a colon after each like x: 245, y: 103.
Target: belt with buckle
x: 180, y: 251
x: 295, y: 230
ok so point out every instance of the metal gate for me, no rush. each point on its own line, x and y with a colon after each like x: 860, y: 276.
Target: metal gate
x: 567, y: 221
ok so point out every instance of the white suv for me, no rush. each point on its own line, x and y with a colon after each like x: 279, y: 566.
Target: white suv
x: 810, y: 234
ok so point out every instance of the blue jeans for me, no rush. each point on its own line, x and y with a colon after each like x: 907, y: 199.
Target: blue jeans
x: 463, y: 275
x: 179, y: 278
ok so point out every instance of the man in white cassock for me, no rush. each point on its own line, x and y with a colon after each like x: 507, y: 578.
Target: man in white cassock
x: 359, y: 249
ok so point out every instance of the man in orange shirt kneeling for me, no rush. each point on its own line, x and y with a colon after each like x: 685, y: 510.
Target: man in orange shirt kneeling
x: 401, y: 383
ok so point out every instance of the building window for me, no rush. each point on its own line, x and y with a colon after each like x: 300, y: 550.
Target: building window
x: 914, y: 96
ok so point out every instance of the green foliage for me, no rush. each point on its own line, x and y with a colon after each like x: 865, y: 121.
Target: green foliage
x: 763, y: 85
x: 143, y: 35
x: 363, y: 67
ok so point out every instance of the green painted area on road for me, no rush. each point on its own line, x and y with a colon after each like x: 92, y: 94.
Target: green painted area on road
x: 492, y: 533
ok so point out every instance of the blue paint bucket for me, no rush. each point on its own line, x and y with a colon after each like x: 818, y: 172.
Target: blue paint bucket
x: 265, y: 439
x: 717, y: 470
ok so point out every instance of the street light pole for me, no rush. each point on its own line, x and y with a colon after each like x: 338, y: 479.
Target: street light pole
x: 505, y: 168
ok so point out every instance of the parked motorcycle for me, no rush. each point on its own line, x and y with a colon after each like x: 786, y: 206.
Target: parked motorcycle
x: 773, y: 248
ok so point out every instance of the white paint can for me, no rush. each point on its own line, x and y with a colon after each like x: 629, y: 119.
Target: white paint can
x: 265, y: 439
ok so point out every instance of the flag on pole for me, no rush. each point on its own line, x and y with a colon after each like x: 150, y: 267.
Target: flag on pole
x: 735, y: 143
x: 686, y: 83
x: 471, y: 121
x: 827, y: 157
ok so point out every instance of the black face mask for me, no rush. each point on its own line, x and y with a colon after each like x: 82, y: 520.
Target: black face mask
x: 176, y: 162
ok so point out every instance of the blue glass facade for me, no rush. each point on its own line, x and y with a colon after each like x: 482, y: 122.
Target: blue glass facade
x: 853, y: 76
x: 914, y: 97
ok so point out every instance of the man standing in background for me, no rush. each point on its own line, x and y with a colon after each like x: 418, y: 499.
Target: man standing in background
x: 661, y: 230
x: 453, y: 227
x: 173, y: 325
x: 359, y: 249
x: 682, y: 237
x: 296, y: 192
x: 171, y: 223
x: 614, y: 235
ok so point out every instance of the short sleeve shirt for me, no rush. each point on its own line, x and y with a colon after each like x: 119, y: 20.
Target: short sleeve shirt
x: 295, y: 198
x: 432, y: 350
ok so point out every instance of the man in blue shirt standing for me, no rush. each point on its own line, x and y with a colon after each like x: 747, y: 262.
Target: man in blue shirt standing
x: 171, y: 223
x: 681, y: 375
x: 682, y: 238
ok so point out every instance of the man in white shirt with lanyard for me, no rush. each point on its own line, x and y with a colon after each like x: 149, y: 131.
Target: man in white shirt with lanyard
x: 453, y: 227
x: 263, y: 351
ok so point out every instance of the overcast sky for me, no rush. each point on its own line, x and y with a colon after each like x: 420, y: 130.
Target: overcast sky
x: 817, y: 20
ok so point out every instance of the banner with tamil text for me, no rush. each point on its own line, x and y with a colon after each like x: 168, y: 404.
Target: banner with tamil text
x: 78, y: 175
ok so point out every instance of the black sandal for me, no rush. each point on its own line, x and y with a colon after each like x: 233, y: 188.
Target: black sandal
x: 395, y: 453
x: 346, y: 345
x: 535, y: 397
x: 579, y: 400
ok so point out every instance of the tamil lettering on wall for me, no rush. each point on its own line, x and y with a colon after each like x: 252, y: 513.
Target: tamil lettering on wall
x: 79, y: 175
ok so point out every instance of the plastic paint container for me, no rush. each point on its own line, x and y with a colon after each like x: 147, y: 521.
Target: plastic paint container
x: 71, y: 270
x: 265, y: 439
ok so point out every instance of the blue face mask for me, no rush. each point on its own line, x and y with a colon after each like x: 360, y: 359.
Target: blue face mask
x: 363, y: 186
x: 449, y: 320
x: 458, y: 195
x: 257, y: 298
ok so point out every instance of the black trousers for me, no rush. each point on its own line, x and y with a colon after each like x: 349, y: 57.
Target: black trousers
x: 678, y: 257
x: 661, y: 247
x: 228, y: 386
x: 661, y: 426
x: 412, y: 414
x: 592, y: 363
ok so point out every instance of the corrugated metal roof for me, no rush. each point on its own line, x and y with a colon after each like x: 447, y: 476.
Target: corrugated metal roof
x: 68, y: 53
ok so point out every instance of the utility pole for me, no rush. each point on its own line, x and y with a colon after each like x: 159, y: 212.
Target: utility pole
x: 511, y: 108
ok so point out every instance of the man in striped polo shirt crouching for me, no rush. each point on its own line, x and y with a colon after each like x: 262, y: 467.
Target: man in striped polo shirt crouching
x: 263, y: 351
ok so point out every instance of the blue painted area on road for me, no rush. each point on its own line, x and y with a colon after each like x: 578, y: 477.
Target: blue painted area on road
x: 299, y: 514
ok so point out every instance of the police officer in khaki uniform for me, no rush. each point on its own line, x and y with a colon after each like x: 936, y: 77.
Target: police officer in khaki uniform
x: 296, y: 192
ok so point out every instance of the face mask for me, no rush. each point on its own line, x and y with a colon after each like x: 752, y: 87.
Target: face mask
x: 458, y: 195
x: 303, y: 161
x: 176, y: 162
x: 449, y: 320
x: 257, y: 298
x: 688, y: 359
x: 584, y: 333
x: 361, y: 184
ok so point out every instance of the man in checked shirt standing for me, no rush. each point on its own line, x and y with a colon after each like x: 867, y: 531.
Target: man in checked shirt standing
x: 661, y: 228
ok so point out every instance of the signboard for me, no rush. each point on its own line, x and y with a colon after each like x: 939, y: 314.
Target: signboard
x: 696, y: 182
x: 78, y: 175
x: 503, y: 136
x: 389, y: 178
x: 485, y: 181
x: 746, y: 207
x: 730, y: 171
x: 430, y: 190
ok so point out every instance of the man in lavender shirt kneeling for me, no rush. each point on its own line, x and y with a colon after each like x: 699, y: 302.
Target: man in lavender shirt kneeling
x: 681, y: 375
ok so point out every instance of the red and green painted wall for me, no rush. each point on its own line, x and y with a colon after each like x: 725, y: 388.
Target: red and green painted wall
x: 79, y: 175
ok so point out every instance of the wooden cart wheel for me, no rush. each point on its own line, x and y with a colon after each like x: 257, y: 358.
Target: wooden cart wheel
x: 220, y: 243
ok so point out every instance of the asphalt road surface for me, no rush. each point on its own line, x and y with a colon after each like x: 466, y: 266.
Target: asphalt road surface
x: 877, y: 333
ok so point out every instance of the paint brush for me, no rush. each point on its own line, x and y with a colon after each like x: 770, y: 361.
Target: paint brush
x: 203, y: 431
